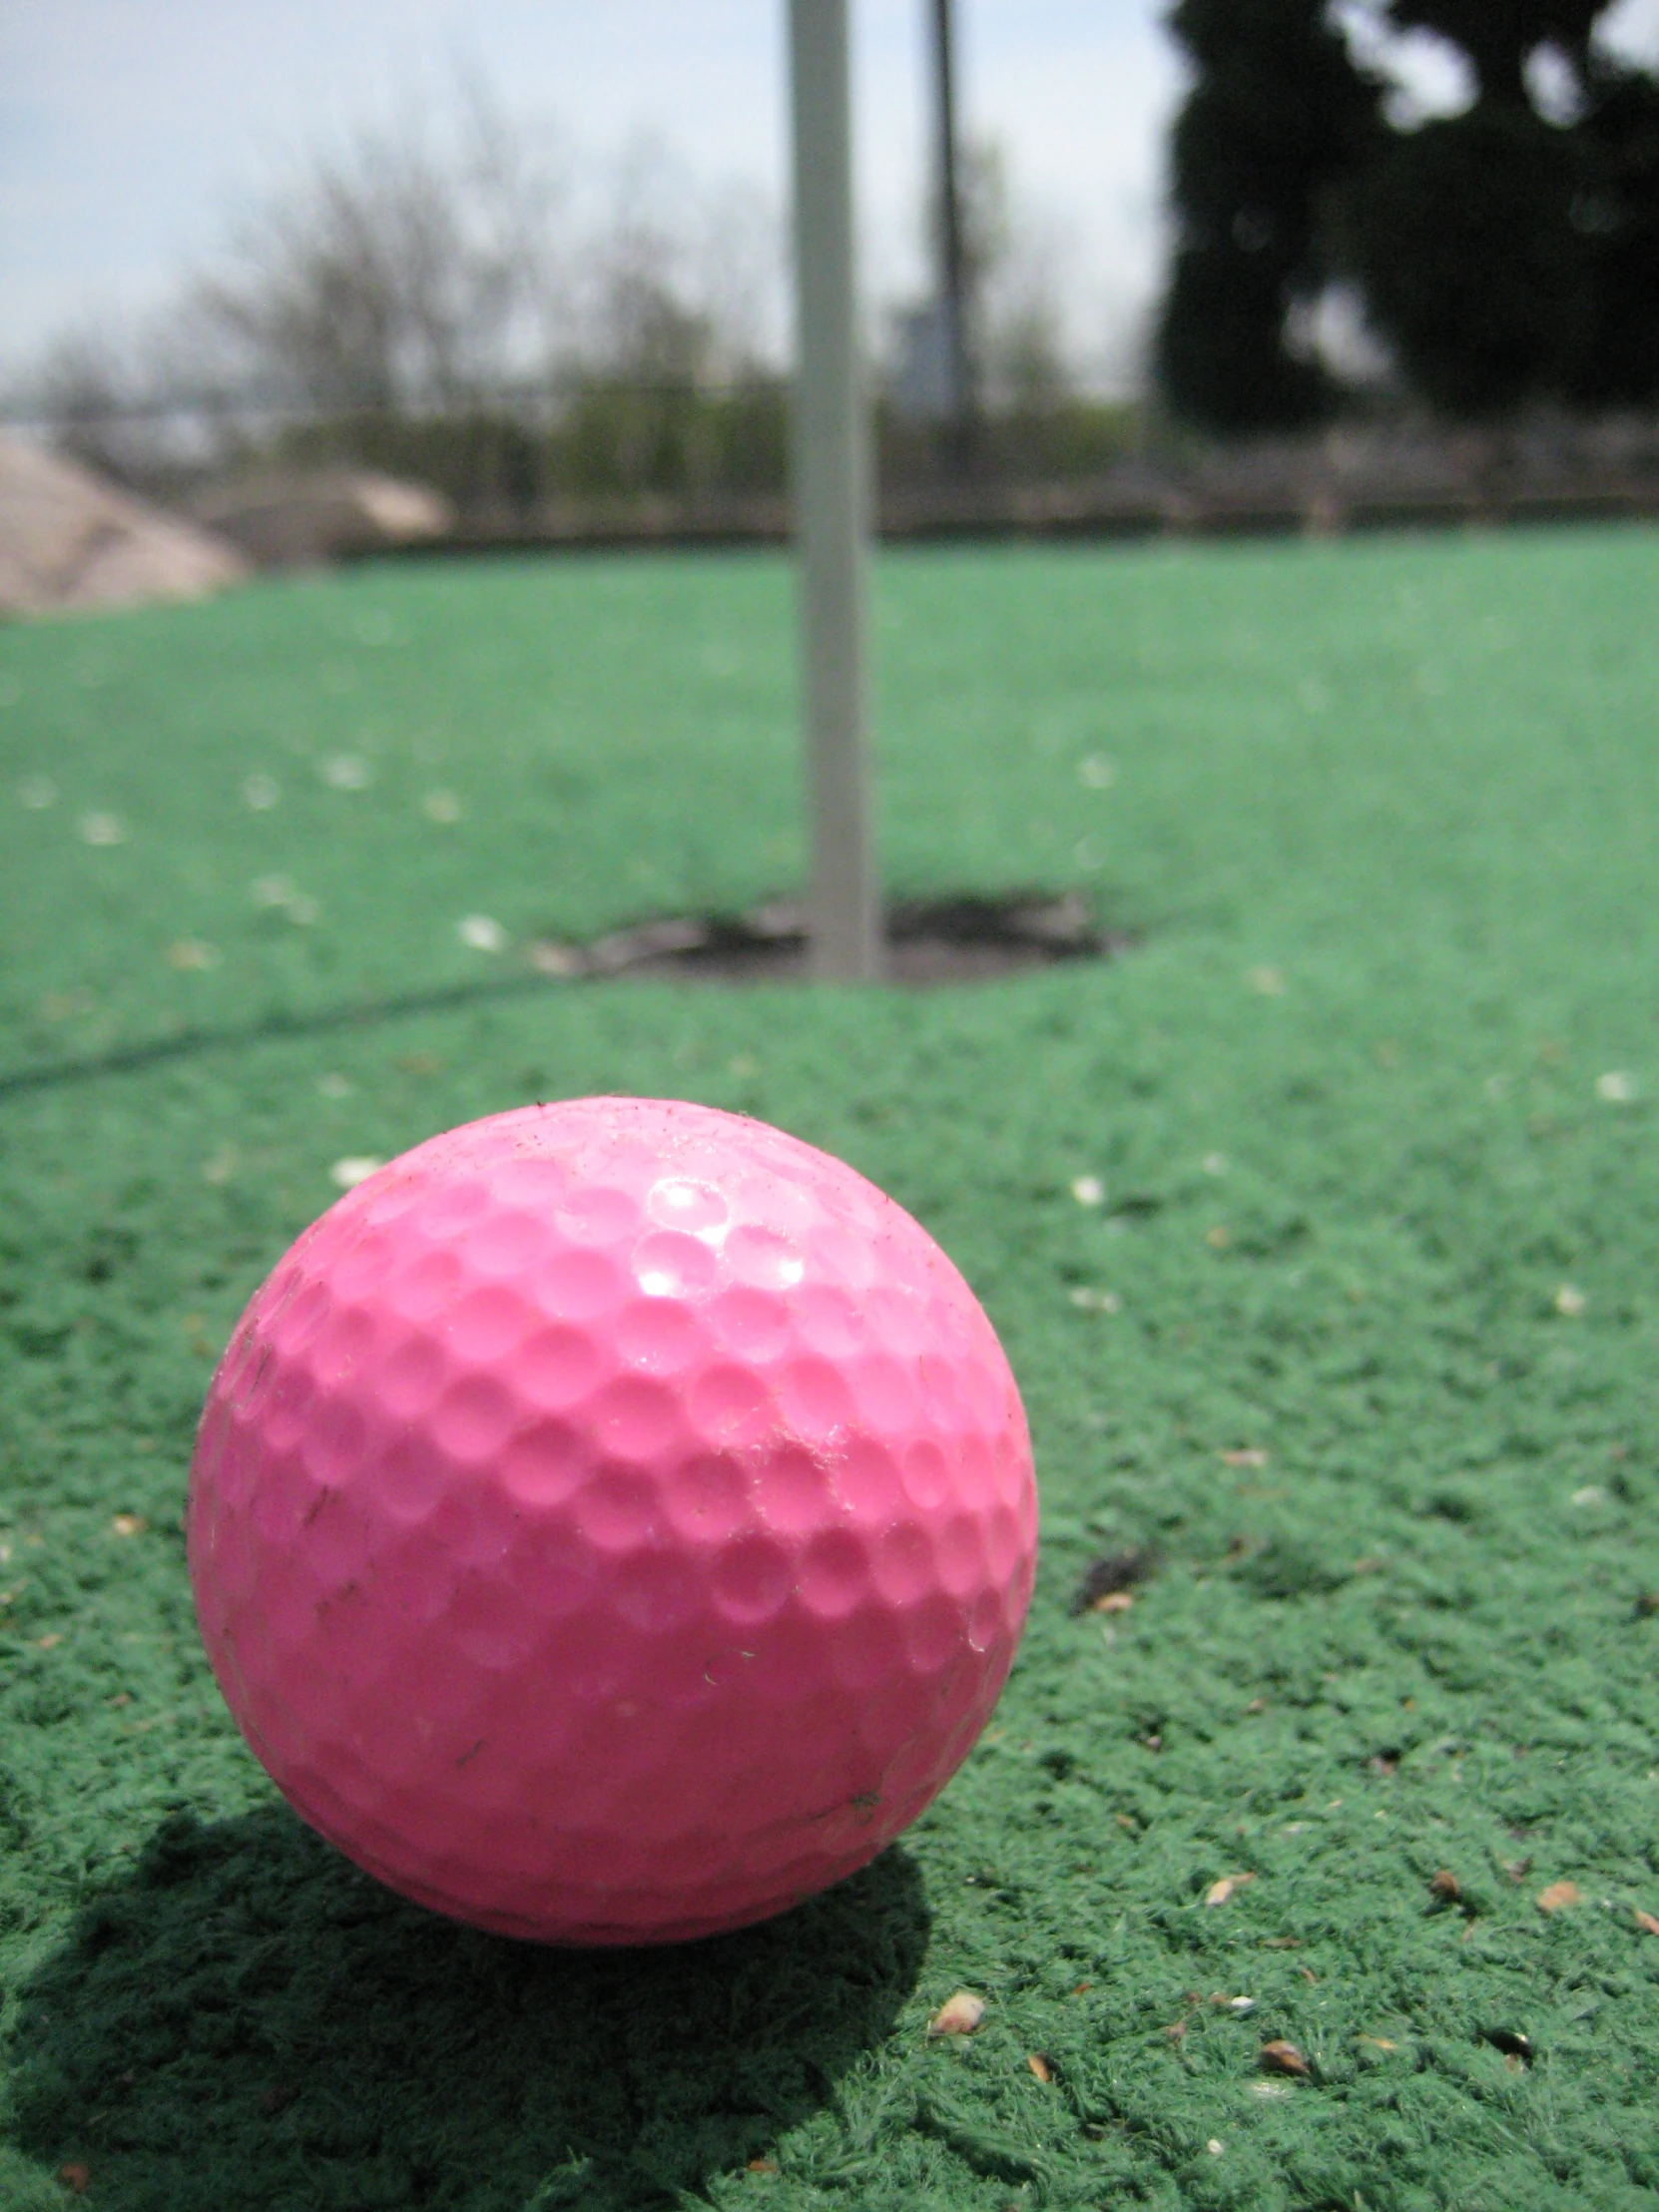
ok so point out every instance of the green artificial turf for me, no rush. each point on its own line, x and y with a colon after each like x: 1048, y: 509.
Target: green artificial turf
x: 1361, y: 1337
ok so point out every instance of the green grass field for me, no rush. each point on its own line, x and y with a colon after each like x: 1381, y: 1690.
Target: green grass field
x: 1366, y: 1344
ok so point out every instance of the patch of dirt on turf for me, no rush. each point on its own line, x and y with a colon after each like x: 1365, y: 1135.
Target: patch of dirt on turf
x: 929, y: 943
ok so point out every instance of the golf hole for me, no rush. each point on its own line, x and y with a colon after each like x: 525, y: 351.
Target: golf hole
x: 929, y: 942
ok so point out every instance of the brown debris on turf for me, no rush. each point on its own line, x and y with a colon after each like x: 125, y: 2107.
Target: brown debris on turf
x: 1219, y: 1891
x: 75, y: 2177
x: 763, y: 2166
x: 1516, y: 2048
x: 958, y: 2015
x: 1645, y: 1921
x: 1041, y: 2065
x: 1560, y: 1897
x: 1110, y: 1577
x: 1281, y: 2058
x: 1445, y: 1885
x: 1250, y: 1457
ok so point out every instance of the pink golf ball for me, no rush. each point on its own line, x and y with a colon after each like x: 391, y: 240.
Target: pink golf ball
x: 612, y: 1522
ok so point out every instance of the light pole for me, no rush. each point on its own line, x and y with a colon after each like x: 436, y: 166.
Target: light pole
x: 832, y: 497
x: 958, y: 410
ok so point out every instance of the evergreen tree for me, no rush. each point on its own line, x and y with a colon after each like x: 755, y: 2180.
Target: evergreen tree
x: 1505, y: 256
x: 1508, y: 257
x: 1616, y: 212
x: 1499, y: 36
x: 1464, y: 238
x: 1276, y: 116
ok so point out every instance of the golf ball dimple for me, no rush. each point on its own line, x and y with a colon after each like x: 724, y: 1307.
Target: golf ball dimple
x: 611, y: 1522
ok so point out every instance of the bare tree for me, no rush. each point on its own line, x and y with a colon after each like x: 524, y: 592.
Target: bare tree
x: 429, y: 264
x: 1014, y: 283
x: 680, y: 281
x: 83, y: 386
x: 1012, y: 291
x: 446, y: 295
x: 413, y: 267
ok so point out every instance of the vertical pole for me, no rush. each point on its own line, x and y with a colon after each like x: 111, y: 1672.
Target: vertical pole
x: 832, y: 499
x: 959, y: 390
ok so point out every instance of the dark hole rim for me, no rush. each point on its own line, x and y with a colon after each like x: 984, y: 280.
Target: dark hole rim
x: 953, y: 937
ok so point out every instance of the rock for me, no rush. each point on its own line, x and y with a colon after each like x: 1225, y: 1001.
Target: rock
x: 282, y: 519
x: 68, y: 540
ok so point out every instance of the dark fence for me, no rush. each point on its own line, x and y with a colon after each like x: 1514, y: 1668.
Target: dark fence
x: 609, y: 462
x: 504, y: 458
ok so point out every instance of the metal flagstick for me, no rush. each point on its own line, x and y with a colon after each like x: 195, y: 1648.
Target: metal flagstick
x: 830, y: 470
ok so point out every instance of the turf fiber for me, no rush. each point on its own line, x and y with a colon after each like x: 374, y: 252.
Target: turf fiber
x: 1361, y: 1334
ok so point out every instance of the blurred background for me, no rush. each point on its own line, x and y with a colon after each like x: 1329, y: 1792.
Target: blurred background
x: 325, y: 280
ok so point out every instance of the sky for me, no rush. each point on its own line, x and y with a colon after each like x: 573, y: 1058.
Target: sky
x: 131, y: 131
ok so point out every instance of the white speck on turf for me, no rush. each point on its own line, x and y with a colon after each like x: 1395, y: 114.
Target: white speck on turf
x: 36, y: 791
x: 336, y: 1086
x: 1591, y: 1494
x: 276, y: 893
x: 482, y: 935
x: 102, y: 829
x: 1615, y: 1088
x: 441, y: 806
x: 260, y: 792
x: 355, y: 1168
x: 1213, y: 1163
x: 1097, y: 772
x: 347, y: 771
x: 1089, y: 1190
x: 190, y: 952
